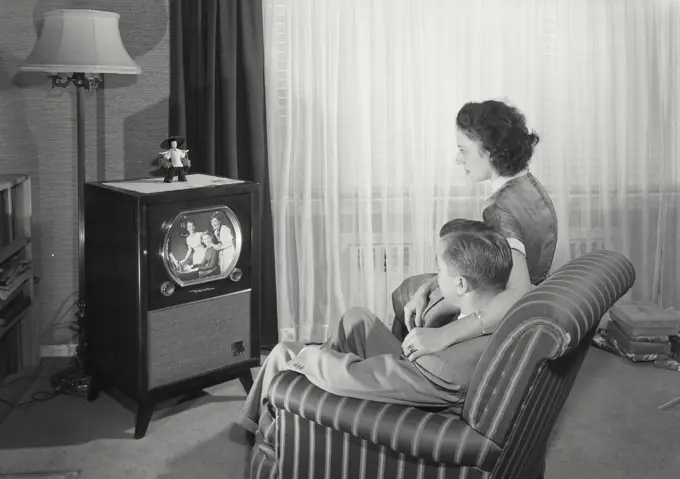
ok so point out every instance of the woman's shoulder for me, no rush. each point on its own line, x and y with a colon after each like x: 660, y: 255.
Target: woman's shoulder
x: 520, y: 190
x: 520, y: 200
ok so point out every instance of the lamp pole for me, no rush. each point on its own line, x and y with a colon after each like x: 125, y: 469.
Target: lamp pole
x: 80, y: 313
x: 82, y: 83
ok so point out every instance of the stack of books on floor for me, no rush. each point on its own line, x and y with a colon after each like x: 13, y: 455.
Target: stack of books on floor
x: 640, y: 331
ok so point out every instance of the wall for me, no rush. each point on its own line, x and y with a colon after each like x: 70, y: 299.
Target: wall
x: 125, y: 123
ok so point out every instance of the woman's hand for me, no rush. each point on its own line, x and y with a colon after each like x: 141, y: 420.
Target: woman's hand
x: 422, y: 341
x: 413, y: 311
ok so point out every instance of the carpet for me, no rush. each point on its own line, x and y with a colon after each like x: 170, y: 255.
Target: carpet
x: 610, y: 428
x: 42, y: 475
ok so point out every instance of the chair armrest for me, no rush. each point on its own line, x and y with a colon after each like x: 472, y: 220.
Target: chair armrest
x: 435, y: 437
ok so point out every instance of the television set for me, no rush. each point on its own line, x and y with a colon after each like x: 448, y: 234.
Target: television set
x: 173, y: 291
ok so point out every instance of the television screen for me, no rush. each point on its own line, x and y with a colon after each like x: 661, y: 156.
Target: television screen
x: 202, y: 245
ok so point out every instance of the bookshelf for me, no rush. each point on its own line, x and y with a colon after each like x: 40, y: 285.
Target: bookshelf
x: 19, y: 348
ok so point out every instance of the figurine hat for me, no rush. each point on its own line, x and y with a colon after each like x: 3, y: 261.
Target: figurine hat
x: 166, y: 143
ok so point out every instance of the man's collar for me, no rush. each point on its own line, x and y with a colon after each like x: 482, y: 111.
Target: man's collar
x: 499, y: 182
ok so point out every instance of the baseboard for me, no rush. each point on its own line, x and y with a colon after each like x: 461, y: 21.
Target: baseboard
x: 57, y: 350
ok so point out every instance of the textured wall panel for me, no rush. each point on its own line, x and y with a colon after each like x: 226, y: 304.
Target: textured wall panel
x: 125, y: 122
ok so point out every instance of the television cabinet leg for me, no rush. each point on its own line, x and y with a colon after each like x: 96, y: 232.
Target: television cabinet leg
x: 144, y: 412
x: 246, y: 379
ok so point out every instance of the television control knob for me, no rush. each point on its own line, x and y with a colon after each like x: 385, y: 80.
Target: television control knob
x: 236, y: 275
x: 167, y: 288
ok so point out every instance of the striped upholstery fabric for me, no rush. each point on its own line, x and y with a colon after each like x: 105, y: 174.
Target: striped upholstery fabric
x: 263, y: 464
x: 516, y: 394
x: 435, y: 437
x: 310, y: 450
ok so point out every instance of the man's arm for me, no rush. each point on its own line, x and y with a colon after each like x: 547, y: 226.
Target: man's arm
x: 471, y: 327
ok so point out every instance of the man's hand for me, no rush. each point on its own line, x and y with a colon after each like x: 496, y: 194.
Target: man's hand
x: 422, y: 341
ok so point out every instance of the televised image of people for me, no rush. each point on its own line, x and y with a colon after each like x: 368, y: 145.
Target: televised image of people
x: 195, y: 247
x: 225, y: 241
x: 205, y: 243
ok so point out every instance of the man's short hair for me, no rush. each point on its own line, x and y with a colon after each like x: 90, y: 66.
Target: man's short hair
x: 479, y: 253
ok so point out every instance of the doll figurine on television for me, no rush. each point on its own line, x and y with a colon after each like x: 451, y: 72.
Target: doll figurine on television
x: 174, y: 160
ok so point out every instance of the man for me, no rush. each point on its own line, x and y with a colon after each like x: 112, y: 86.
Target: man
x: 365, y: 360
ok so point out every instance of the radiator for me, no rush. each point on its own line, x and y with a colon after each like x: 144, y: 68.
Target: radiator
x: 381, y: 258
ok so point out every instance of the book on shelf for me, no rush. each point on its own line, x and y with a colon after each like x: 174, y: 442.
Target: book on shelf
x: 18, y: 340
x: 7, y: 290
x: 15, y: 269
x: 11, y: 269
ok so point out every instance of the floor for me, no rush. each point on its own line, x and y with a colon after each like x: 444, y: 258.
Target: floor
x: 610, y: 428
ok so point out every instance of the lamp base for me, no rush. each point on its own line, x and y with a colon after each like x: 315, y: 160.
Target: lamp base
x: 82, y: 349
x: 76, y: 378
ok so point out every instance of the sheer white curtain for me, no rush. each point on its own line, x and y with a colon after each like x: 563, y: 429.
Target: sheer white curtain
x: 361, y: 103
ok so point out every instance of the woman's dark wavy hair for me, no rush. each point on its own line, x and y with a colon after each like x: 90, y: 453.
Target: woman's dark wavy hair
x: 503, y: 132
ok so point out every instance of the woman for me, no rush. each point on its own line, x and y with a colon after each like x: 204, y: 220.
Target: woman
x: 194, y: 245
x: 494, y: 144
x: 225, y: 242
x: 208, y: 266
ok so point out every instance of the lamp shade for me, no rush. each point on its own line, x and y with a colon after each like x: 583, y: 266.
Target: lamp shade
x: 80, y: 41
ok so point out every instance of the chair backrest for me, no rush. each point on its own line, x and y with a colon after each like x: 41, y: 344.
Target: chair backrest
x: 529, y: 367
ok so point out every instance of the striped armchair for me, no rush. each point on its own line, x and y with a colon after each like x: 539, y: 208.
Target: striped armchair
x: 516, y: 394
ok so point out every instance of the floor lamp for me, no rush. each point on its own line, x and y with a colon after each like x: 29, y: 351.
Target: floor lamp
x: 74, y: 47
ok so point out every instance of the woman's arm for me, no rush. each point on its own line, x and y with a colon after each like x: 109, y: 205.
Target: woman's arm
x: 414, y: 308
x: 189, y: 250
x: 471, y: 327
